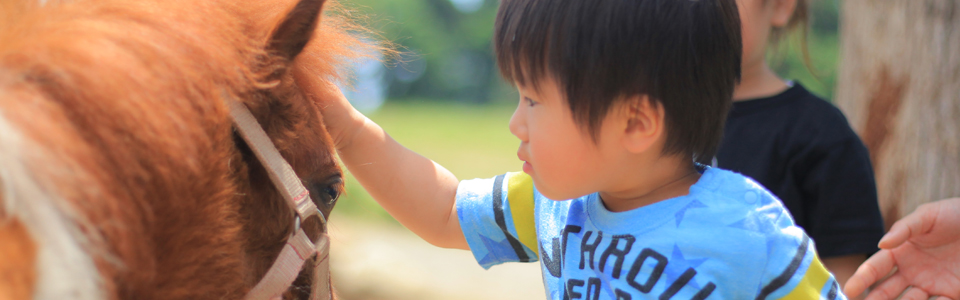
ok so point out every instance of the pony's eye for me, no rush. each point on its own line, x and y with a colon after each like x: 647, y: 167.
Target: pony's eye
x: 327, y: 192
x: 332, y: 193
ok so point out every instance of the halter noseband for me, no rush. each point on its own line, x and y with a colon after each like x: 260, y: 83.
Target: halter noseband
x: 299, y: 247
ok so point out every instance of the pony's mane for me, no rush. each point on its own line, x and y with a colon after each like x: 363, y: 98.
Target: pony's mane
x: 76, y: 76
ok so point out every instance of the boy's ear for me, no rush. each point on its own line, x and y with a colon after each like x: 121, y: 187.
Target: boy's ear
x: 293, y: 33
x: 644, y: 123
x: 782, y: 12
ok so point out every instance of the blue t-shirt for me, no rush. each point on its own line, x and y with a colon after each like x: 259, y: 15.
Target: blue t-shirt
x: 727, y: 239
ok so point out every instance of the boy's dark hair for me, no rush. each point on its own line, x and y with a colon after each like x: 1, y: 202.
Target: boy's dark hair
x: 683, y: 54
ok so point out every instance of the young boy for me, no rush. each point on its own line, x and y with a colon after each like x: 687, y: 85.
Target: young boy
x: 621, y: 104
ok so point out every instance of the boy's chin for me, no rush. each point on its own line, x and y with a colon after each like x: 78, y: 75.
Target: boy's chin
x: 556, y: 195
x: 555, y: 191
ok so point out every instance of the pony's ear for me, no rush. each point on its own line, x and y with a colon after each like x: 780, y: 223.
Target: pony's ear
x: 295, y: 30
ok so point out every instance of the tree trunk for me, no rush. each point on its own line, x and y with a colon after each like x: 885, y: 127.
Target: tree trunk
x: 899, y: 85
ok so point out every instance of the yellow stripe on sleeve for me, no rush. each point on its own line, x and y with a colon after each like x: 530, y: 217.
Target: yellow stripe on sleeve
x: 520, y: 199
x: 811, y: 286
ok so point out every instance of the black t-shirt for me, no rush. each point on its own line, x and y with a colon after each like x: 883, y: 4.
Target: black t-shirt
x: 802, y: 149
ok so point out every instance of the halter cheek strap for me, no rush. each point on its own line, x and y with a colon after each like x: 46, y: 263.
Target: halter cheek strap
x: 299, y: 247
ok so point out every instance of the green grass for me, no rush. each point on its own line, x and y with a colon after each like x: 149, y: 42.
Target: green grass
x: 472, y: 141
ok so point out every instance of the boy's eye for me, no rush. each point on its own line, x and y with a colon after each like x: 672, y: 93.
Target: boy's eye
x: 529, y: 101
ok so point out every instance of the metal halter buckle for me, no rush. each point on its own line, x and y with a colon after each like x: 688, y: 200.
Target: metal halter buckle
x: 297, y: 222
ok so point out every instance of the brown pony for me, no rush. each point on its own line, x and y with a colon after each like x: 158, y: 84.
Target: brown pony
x: 121, y: 176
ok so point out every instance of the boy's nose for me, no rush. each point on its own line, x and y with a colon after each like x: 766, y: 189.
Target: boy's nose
x: 518, y: 126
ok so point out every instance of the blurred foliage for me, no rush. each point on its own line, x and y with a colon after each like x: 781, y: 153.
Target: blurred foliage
x: 447, y: 51
x: 823, y: 46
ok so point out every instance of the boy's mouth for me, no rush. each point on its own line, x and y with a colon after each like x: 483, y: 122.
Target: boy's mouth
x: 527, y: 167
x: 521, y: 156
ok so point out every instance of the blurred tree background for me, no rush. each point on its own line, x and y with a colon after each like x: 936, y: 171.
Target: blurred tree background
x: 443, y: 96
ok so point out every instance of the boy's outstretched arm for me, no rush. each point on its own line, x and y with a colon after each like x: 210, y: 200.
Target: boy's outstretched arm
x: 413, y: 189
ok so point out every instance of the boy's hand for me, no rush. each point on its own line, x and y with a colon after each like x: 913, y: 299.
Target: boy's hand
x: 341, y: 119
x: 924, y: 247
x: 416, y: 191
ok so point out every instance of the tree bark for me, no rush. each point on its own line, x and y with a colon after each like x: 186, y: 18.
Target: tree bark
x: 899, y: 85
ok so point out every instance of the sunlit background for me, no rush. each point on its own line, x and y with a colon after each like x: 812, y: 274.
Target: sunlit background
x: 443, y: 97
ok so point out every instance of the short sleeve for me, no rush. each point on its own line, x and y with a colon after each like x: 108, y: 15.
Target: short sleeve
x: 794, y: 270
x: 497, y: 218
x: 842, y: 211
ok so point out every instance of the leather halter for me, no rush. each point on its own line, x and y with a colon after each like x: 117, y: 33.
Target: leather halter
x: 299, y: 247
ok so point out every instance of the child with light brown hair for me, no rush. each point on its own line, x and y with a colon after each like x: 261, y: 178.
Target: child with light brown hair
x: 799, y: 146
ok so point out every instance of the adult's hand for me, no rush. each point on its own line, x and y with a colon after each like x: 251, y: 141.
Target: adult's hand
x: 924, y: 247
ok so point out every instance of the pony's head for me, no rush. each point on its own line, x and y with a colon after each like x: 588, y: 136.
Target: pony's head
x: 121, y: 174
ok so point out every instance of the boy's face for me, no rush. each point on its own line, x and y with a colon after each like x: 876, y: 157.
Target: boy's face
x: 563, y: 160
